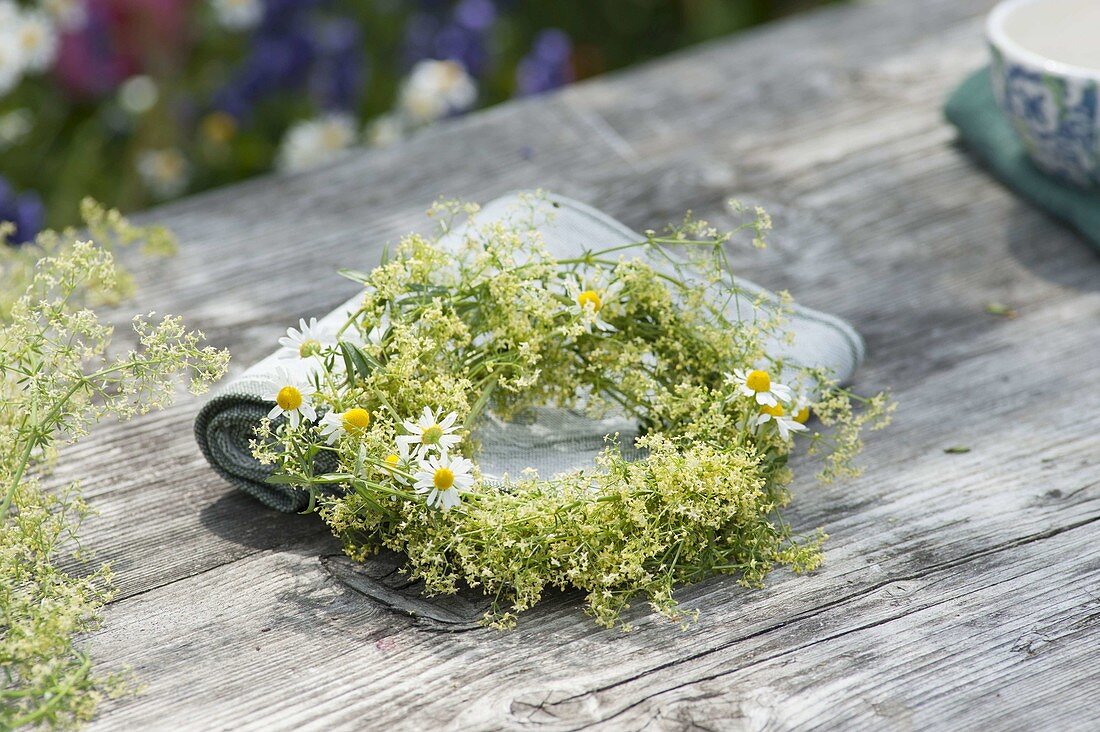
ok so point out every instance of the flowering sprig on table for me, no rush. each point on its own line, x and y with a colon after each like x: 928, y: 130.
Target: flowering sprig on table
x: 493, y: 324
x: 59, y: 375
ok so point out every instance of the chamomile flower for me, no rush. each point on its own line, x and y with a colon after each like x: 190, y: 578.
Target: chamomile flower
x: 800, y: 410
x: 238, y: 14
x: 316, y: 142
x: 588, y: 300
x: 759, y: 385
x: 291, y: 397
x: 430, y: 432
x: 442, y: 477
x: 400, y: 463
x: 785, y: 422
x: 305, y: 341
x: 335, y: 425
x: 435, y: 89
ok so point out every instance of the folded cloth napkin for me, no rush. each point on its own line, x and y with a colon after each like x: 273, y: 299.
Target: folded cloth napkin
x: 987, y: 132
x: 549, y: 440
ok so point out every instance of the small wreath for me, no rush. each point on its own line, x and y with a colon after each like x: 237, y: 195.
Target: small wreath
x: 450, y: 336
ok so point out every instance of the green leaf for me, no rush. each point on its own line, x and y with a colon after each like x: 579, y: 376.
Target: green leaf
x: 956, y: 450
x: 355, y: 360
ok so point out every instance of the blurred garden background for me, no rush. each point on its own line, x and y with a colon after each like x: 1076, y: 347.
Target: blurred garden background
x: 139, y: 101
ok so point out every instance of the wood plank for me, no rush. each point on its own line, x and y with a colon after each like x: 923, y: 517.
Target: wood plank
x: 936, y: 561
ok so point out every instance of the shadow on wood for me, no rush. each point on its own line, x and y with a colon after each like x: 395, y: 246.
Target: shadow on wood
x: 380, y: 579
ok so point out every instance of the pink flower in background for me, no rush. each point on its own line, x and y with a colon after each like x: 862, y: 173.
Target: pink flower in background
x: 118, y: 39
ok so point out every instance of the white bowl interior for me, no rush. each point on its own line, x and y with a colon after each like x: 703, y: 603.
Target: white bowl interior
x: 1062, y: 31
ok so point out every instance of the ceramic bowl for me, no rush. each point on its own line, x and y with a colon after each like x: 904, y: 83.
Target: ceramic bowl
x: 1045, y: 74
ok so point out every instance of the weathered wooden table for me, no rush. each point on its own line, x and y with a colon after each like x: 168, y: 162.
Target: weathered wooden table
x: 959, y: 590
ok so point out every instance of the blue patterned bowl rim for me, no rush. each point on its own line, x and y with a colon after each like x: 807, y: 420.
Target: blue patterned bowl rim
x: 995, y: 32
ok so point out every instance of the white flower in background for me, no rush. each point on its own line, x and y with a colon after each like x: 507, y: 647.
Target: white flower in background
x: 37, y: 40
x: 291, y: 397
x: 442, y: 477
x: 335, y: 425
x: 384, y: 131
x: 14, y: 126
x: 11, y: 56
x: 316, y: 142
x: 305, y: 341
x: 435, y: 89
x: 758, y: 384
x: 588, y: 300
x: 166, y: 172
x: 430, y: 432
x: 238, y: 14
x: 784, y: 422
x: 138, y: 94
x: 400, y: 463
x: 70, y: 15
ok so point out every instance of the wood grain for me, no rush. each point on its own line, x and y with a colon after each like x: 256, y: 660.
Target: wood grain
x: 959, y: 590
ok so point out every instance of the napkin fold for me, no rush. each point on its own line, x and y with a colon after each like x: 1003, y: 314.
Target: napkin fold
x: 985, y: 130
x: 550, y: 440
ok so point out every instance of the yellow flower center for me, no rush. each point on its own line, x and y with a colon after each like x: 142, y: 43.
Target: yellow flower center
x: 288, y: 398
x: 392, y: 459
x: 759, y: 381
x: 776, y: 411
x: 444, y: 478
x: 356, y: 419
x: 803, y: 415
x: 309, y: 348
x: 431, y: 435
x: 590, y: 297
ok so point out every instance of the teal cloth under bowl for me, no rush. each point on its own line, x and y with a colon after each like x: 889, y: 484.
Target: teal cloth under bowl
x: 984, y: 129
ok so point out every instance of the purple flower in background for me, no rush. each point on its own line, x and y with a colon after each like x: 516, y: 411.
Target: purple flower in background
x: 337, y: 78
x: 461, y: 35
x: 548, y: 65
x: 476, y: 15
x: 276, y: 62
x: 25, y: 210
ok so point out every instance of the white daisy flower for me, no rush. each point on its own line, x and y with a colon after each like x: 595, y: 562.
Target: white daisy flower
x: 166, y: 172
x: 316, y: 142
x: 400, y: 463
x: 785, y: 422
x: 758, y: 384
x: 800, y: 410
x: 435, y: 89
x: 588, y: 300
x: 37, y: 40
x: 305, y: 341
x: 238, y: 15
x: 335, y: 425
x: 430, y: 432
x: 291, y: 397
x: 442, y: 477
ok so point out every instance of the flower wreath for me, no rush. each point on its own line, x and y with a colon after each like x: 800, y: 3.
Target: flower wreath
x: 444, y: 337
